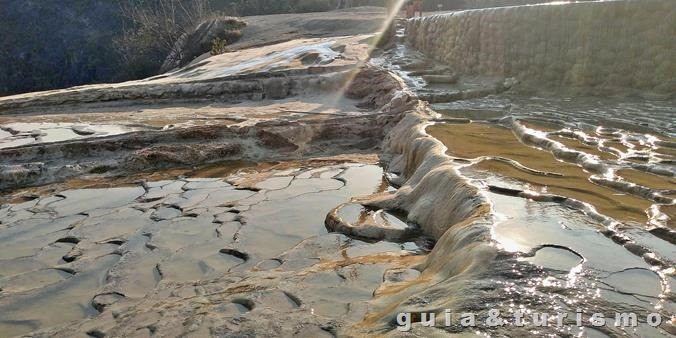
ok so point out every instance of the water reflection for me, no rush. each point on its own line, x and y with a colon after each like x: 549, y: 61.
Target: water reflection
x: 18, y: 134
x: 578, y: 196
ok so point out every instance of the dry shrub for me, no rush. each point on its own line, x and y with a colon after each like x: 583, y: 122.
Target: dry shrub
x: 152, y: 28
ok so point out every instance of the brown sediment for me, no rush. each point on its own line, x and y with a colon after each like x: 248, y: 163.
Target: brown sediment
x: 478, y: 139
x: 314, y: 162
x: 671, y: 152
x: 396, y: 260
x: 670, y: 211
x: 646, y: 179
x: 579, y: 146
x: 222, y: 169
x: 622, y: 207
x: 617, y: 145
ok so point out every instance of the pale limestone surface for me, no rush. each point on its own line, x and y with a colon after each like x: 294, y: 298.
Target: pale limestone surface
x: 609, y: 45
x: 255, y: 261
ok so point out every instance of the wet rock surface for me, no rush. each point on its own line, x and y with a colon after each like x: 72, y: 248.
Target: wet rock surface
x: 531, y: 209
x: 481, y: 198
x: 140, y: 233
x: 236, y: 259
x: 260, y: 104
x: 557, y: 45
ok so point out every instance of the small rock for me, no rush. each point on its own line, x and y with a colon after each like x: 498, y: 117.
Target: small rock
x: 400, y: 275
x: 82, y: 130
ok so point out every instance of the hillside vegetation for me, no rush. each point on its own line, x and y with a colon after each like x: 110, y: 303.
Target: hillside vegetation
x: 49, y: 44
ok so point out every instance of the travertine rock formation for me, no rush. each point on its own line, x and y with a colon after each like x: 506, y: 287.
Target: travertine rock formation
x: 618, y: 45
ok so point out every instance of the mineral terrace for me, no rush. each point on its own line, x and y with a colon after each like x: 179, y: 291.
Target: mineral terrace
x: 319, y: 186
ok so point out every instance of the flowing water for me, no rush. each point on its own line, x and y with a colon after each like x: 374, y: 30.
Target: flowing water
x: 585, y: 191
x: 582, y: 191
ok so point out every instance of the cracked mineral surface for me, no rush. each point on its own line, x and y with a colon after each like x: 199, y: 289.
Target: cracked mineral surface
x: 319, y: 187
x: 85, y: 251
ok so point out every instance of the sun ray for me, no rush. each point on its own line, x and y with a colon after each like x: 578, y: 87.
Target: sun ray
x: 391, y: 15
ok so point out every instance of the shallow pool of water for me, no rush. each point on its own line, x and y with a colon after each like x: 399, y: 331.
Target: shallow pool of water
x: 66, y: 255
x: 18, y: 134
x: 579, y: 191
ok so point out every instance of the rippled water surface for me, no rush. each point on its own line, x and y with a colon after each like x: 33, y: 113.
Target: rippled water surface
x: 582, y: 188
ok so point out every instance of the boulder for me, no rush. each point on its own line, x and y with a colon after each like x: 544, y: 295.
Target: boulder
x: 200, y: 39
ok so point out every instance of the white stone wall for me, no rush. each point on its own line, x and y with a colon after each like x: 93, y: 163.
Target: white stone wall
x: 614, y: 45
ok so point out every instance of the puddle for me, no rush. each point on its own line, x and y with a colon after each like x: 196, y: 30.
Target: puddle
x: 556, y: 258
x: 56, y: 304
x: 472, y: 114
x: 288, y: 215
x: 18, y: 134
x: 354, y: 213
x: 643, y: 282
x: 496, y: 149
x: 524, y: 225
x: 221, y: 169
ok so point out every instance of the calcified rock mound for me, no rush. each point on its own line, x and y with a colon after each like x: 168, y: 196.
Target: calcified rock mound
x: 200, y: 40
x: 273, y: 102
x: 270, y: 29
x: 606, y: 45
x: 270, y: 72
